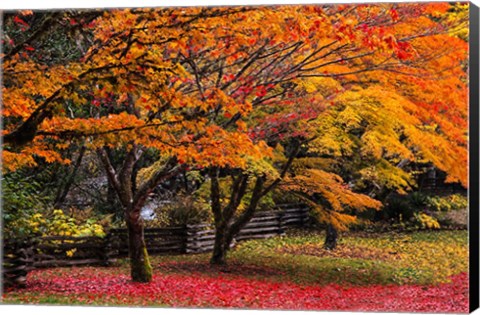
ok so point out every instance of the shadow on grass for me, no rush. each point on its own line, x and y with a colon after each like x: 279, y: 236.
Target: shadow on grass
x: 203, y: 267
x: 293, y: 268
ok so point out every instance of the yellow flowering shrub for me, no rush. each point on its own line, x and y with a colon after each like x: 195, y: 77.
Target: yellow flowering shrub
x: 57, y: 224
x: 60, y: 224
x: 425, y: 221
x: 63, y: 225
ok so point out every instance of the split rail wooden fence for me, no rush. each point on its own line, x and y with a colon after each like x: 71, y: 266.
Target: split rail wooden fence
x: 21, y: 256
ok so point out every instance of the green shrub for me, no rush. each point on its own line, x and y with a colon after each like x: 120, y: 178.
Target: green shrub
x: 415, y: 210
x: 418, y: 200
x: 399, y: 209
x: 182, y: 210
x: 22, y: 198
x: 186, y: 210
x: 26, y: 214
x: 447, y: 203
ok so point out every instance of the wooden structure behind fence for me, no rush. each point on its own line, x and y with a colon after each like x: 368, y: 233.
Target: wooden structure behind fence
x: 434, y: 182
x: 20, y: 257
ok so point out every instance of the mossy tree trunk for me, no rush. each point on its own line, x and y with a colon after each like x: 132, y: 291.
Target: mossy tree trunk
x: 133, y: 199
x: 140, y: 268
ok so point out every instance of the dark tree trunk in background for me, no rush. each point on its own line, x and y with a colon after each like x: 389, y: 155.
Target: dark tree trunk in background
x: 227, y: 225
x: 63, y: 191
x: 331, y: 238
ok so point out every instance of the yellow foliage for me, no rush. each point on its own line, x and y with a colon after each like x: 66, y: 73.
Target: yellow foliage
x: 144, y: 174
x: 324, y: 86
x: 337, y: 196
x: 387, y: 175
x: 385, y: 126
x: 63, y: 225
x: 426, y: 221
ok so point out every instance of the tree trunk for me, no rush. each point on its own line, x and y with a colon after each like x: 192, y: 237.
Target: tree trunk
x: 140, y: 268
x: 132, y: 202
x: 225, y: 227
x: 331, y: 238
x: 226, y: 232
x: 219, y: 254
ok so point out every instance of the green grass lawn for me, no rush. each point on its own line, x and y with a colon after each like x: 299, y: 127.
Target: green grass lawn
x: 424, y: 257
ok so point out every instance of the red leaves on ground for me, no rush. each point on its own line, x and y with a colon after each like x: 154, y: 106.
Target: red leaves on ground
x: 94, y: 285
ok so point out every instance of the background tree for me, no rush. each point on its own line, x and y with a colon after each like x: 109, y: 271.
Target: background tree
x: 349, y: 76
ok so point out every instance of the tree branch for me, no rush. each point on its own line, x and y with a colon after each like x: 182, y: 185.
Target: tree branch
x: 111, y: 173
x: 170, y: 169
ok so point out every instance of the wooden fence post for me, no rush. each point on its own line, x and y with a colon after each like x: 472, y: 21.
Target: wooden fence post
x: 110, y: 250
x: 200, y: 238
x: 17, y: 262
x: 281, y: 225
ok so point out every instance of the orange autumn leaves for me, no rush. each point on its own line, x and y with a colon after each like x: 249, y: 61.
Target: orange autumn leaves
x: 194, y: 82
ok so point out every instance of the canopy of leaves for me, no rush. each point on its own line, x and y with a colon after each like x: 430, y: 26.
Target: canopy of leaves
x: 223, y: 86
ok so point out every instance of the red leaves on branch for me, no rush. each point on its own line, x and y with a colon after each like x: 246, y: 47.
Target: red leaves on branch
x: 404, y: 50
x: 393, y: 14
x: 21, y: 22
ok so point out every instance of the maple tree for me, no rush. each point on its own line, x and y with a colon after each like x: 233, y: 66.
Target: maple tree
x: 384, y: 144
x: 220, y: 90
x: 374, y: 133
